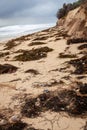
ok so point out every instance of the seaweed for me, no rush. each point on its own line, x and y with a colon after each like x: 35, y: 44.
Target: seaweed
x: 41, y: 38
x: 76, y: 41
x: 10, y: 44
x: 37, y: 43
x: 34, y: 54
x: 62, y: 55
x: 32, y: 71
x: 82, y: 87
x: 15, y: 126
x: 80, y: 65
x: 7, y: 68
x: 81, y: 47
x: 65, y: 100
x: 3, y: 54
x: 30, y: 109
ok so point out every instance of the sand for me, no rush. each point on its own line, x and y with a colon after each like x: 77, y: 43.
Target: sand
x: 15, y: 86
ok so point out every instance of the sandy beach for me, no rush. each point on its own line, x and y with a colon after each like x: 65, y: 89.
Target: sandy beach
x: 38, y: 85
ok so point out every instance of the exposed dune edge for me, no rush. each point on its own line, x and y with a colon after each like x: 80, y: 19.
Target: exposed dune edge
x: 43, y: 80
x: 75, y: 23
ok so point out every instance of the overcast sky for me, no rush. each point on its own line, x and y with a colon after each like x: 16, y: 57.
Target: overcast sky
x: 29, y: 11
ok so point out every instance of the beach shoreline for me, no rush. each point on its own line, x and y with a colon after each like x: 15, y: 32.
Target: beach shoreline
x: 5, y: 34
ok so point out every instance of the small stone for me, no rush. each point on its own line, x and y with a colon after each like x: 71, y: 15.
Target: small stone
x: 46, y: 91
x: 15, y: 118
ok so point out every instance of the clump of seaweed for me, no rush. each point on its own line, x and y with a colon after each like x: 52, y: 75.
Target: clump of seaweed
x: 7, y: 68
x: 21, y: 39
x: 76, y: 41
x: 80, y: 65
x: 81, y: 77
x: 62, y: 55
x: 32, y: 71
x: 65, y: 100
x: 84, y: 46
x: 82, y: 87
x: 41, y: 38
x: 3, y: 54
x: 57, y: 38
x: 37, y: 43
x: 15, y: 126
x: 34, y: 54
x: 10, y: 44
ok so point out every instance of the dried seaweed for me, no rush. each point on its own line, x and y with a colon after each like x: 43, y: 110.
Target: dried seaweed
x: 7, y: 68
x: 66, y: 100
x: 34, y: 54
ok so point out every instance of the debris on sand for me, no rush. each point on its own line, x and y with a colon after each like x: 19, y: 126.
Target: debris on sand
x: 10, y: 44
x: 65, y: 100
x: 19, y: 125
x: 29, y: 109
x: 36, y: 43
x: 7, y: 69
x: 82, y: 87
x: 50, y: 83
x: 81, y: 77
x: 32, y: 71
x: 32, y: 128
x: 14, y: 126
x: 3, y: 54
x: 76, y: 41
x: 62, y: 55
x: 81, y: 47
x: 34, y: 54
x: 41, y: 38
x: 80, y: 65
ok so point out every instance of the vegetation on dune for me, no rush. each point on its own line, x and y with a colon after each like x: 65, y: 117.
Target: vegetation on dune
x: 67, y: 7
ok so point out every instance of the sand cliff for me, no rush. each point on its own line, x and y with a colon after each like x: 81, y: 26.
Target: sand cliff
x: 75, y: 23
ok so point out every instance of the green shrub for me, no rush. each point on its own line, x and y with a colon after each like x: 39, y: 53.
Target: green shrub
x: 67, y: 7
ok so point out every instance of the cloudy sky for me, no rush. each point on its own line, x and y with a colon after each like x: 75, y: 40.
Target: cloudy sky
x: 29, y: 11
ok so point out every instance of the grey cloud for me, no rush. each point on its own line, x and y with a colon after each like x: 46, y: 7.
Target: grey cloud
x: 12, y: 10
